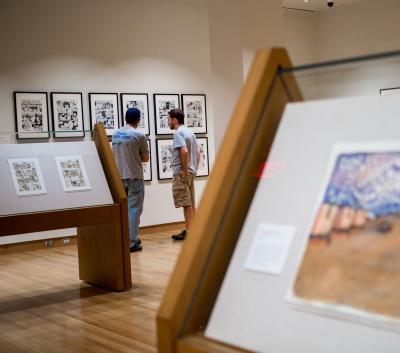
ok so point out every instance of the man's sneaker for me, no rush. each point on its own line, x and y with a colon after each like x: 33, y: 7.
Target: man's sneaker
x: 137, y: 246
x: 180, y: 236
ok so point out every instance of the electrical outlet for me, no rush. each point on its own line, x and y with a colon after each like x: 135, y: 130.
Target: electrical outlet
x: 67, y: 241
x: 48, y: 243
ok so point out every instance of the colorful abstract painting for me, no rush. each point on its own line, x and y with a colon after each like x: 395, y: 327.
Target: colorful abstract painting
x: 351, y: 262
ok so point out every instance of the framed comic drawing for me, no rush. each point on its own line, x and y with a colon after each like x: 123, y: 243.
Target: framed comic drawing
x: 141, y: 102
x: 72, y: 173
x: 163, y: 103
x: 194, y: 107
x: 104, y: 109
x: 27, y: 176
x: 203, y: 169
x: 164, y: 153
x: 31, y: 115
x: 67, y: 113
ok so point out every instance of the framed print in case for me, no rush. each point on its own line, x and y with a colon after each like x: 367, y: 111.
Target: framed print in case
x: 147, y: 175
x: 67, y: 113
x: 164, y: 153
x: 31, y: 115
x: 203, y: 169
x: 163, y: 103
x: 104, y: 109
x: 141, y: 102
x: 72, y: 173
x: 194, y: 107
x: 27, y: 176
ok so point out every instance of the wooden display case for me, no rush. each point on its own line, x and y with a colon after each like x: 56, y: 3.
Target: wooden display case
x: 103, y: 234
x: 200, y: 269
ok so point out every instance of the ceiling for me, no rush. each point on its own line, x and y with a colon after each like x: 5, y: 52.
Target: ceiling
x: 315, y: 5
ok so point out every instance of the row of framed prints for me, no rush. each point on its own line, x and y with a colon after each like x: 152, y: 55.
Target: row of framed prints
x: 164, y: 152
x: 32, y: 118
x: 28, y: 179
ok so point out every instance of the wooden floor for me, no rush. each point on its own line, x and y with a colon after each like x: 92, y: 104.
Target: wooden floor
x: 45, y: 308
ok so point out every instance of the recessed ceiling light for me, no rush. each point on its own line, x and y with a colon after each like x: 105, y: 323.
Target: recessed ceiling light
x: 305, y: 0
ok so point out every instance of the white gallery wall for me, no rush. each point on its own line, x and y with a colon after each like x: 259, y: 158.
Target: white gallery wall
x: 237, y: 30
x: 138, y: 46
x: 359, y: 28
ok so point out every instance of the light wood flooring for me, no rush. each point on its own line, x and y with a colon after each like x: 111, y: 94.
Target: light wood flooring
x: 45, y: 308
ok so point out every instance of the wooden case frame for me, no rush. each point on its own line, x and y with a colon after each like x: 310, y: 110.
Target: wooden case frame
x: 200, y: 269
x: 103, y: 232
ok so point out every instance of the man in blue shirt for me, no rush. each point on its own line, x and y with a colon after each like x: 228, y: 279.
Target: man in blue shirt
x: 184, y: 163
x: 130, y: 149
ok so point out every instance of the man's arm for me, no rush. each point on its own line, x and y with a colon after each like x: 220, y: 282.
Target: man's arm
x: 197, y: 157
x: 185, y: 160
x: 145, y: 157
x: 144, y: 149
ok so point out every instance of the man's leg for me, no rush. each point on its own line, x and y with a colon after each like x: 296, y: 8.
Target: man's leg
x: 184, y: 197
x: 188, y: 214
x: 135, y: 193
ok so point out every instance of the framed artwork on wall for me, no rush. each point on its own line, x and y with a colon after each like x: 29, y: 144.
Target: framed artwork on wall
x: 31, y: 115
x: 67, y: 113
x: 147, y: 175
x: 27, y: 176
x: 203, y: 169
x: 163, y: 103
x: 389, y: 91
x: 141, y: 102
x: 104, y: 109
x: 194, y: 107
x: 164, y: 153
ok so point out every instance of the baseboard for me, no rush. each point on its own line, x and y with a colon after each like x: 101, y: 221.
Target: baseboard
x: 161, y: 227
x: 72, y: 240
x: 38, y: 244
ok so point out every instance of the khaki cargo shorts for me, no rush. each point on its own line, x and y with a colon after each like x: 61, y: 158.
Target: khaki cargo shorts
x: 183, y: 190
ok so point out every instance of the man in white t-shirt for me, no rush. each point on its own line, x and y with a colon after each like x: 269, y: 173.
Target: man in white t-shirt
x: 184, y: 163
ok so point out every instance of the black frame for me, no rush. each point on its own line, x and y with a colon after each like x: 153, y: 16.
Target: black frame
x: 389, y: 89
x: 67, y: 134
x: 208, y: 157
x: 15, y: 93
x: 92, y: 122
x: 158, y: 153
x: 156, y: 118
x: 121, y: 95
x: 205, y: 111
x: 151, y: 170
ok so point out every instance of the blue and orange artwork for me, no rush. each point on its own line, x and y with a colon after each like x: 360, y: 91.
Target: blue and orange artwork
x: 352, y: 257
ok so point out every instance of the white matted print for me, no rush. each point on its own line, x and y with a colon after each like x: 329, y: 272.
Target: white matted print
x: 194, y: 108
x: 104, y: 109
x: 139, y: 101
x: 163, y: 103
x: 31, y: 115
x: 27, y: 176
x: 349, y: 267
x: 164, y: 153
x: 72, y: 172
x: 66, y: 109
x: 147, y: 175
x: 203, y: 163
